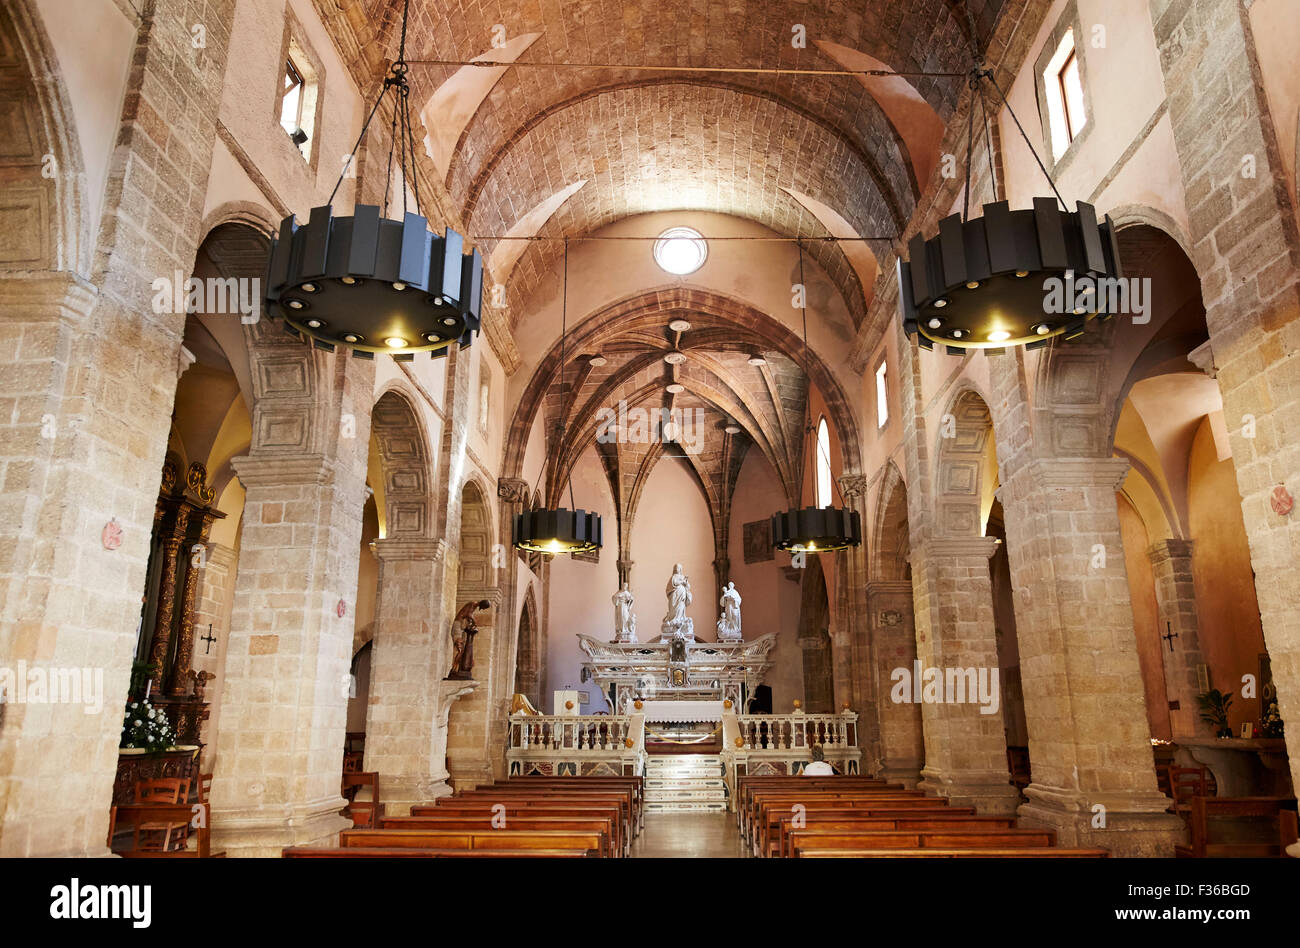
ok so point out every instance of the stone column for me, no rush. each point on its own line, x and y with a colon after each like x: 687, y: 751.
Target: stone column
x: 965, y: 745
x: 407, y: 714
x: 856, y: 683
x: 1089, y: 741
x: 1180, y: 646
x: 88, y: 375
x: 893, y: 646
x: 280, y: 750
x: 1244, y: 243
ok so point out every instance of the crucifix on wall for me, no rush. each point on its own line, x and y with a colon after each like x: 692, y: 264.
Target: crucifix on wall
x: 1169, y: 635
x: 209, y: 639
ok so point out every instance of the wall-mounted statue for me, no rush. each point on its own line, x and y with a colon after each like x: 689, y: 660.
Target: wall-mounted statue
x: 624, y: 617
x: 729, y: 624
x: 463, y: 630
x: 676, y: 621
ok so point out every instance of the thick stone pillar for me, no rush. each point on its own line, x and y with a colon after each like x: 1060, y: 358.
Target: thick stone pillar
x: 280, y: 750
x: 893, y: 646
x: 1244, y: 243
x: 1093, y: 775
x: 88, y: 375
x: 855, y: 682
x: 406, y: 720
x: 1180, y: 645
x: 965, y: 745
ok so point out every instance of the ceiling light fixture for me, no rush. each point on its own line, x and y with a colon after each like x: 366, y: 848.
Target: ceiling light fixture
x: 675, y: 358
x: 360, y: 269
x: 1003, y: 258
x: 679, y: 325
x: 675, y: 388
x: 814, y: 529
x: 553, y: 530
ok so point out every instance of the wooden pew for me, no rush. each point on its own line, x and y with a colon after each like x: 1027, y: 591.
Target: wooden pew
x: 769, y: 831
x: 376, y: 852
x: 634, y: 786
x: 1037, y: 852
x: 748, y: 784
x: 1204, y: 812
x: 779, y: 841
x: 604, y: 825
x: 806, y: 840
x: 785, y: 801
x: 500, y: 839
x: 452, y: 806
x: 363, y: 813
x: 571, y: 798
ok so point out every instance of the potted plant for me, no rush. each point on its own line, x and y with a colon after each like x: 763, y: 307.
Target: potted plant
x: 1214, y: 710
x: 145, y: 729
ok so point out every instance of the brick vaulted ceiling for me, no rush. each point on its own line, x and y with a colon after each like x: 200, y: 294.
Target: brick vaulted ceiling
x: 647, y: 140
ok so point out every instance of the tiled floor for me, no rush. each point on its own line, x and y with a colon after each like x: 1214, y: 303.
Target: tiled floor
x: 693, y: 835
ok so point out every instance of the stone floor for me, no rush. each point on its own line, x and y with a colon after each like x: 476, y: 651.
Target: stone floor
x: 693, y: 835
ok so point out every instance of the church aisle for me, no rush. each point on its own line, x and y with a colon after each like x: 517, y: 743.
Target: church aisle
x: 690, y: 835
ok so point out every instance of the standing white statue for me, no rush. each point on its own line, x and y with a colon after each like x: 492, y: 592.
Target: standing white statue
x: 676, y: 621
x: 624, y: 617
x: 729, y: 624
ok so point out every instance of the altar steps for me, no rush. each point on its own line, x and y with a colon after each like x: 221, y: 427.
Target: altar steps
x: 684, y: 783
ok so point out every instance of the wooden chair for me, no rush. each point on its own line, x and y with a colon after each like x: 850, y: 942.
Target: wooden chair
x: 1185, y: 784
x: 1210, y: 816
x: 202, y: 787
x: 161, y: 835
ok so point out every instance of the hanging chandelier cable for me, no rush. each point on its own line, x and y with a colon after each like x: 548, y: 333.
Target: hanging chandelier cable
x: 723, y: 70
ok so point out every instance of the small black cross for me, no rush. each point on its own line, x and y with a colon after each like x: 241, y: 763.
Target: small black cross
x: 1169, y: 635
x: 209, y: 638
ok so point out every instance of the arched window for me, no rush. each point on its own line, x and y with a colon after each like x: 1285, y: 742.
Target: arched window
x: 823, y: 464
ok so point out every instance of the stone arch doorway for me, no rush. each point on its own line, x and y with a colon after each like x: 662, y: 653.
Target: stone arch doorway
x: 815, y: 641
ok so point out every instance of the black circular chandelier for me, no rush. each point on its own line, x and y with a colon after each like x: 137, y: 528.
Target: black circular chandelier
x: 814, y: 529
x: 1009, y: 278
x: 371, y: 284
x: 559, y: 530
x: 554, y: 530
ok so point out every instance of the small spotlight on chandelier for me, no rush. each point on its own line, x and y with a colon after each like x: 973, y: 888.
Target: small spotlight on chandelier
x: 373, y: 278
x: 987, y: 274
x: 551, y: 531
x: 814, y: 529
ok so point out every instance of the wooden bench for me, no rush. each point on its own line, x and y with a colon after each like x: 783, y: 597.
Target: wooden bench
x: 809, y: 839
x: 768, y: 831
x: 780, y: 844
x: 376, y: 852
x: 1205, y: 812
x: 633, y: 786
x: 764, y: 803
x: 538, y: 795
x: 501, y: 839
x: 451, y: 806
x: 1037, y: 852
x: 607, y: 826
x: 363, y: 813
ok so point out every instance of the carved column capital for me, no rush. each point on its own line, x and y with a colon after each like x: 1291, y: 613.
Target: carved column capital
x: 513, y: 490
x: 853, y: 487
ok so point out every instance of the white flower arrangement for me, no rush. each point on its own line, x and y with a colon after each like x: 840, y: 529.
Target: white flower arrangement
x: 144, y: 726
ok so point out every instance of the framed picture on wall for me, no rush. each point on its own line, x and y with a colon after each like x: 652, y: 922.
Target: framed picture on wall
x: 1248, y: 729
x: 758, y: 541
